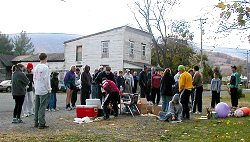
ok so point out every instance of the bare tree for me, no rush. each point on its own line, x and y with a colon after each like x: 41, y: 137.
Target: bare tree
x: 151, y: 16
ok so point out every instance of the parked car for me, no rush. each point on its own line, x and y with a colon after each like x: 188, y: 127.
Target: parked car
x: 5, y: 86
x: 61, y: 86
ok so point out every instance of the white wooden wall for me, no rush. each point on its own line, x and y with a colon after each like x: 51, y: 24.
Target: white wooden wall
x: 118, y: 49
x: 138, y: 38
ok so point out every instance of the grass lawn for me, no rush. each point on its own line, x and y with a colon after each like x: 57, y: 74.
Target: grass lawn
x: 142, y: 128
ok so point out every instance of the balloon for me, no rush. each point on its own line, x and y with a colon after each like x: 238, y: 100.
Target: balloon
x: 238, y: 113
x: 245, y: 110
x: 222, y: 109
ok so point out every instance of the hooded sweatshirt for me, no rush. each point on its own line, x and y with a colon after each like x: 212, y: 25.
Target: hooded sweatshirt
x: 86, y: 78
x: 109, y: 86
x: 175, y: 108
x: 19, y: 83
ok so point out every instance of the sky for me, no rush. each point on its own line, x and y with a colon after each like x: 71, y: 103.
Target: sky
x: 86, y: 17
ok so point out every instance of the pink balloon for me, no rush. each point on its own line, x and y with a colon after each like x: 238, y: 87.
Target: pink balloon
x: 222, y: 109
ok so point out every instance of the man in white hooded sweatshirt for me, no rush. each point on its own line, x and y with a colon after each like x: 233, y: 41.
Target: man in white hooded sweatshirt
x: 42, y: 90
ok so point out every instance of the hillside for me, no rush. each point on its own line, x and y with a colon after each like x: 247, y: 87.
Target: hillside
x: 49, y: 42
x: 53, y: 43
x: 224, y: 61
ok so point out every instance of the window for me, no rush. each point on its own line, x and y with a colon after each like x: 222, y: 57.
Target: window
x: 132, y: 50
x: 143, y: 50
x: 105, y: 49
x: 79, y: 53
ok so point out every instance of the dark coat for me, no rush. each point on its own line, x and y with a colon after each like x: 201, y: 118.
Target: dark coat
x: 19, y: 83
x: 103, y: 74
x: 143, y: 79
x: 166, y: 85
x: 30, y: 77
x: 86, y: 79
x: 54, y: 84
x: 120, y: 81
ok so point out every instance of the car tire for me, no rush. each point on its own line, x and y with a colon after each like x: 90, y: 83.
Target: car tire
x: 8, y: 89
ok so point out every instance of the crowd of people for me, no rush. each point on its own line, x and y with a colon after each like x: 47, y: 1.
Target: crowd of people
x: 173, y: 89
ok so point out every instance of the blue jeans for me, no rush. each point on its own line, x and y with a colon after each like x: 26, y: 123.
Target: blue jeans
x: 165, y: 102
x: 52, y: 100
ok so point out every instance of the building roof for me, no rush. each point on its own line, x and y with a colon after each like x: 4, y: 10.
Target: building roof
x: 6, y: 59
x: 128, y: 27
x: 139, y: 64
x: 52, y: 57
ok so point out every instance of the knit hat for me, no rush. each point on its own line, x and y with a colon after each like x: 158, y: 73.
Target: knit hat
x: 30, y: 66
x: 181, y: 68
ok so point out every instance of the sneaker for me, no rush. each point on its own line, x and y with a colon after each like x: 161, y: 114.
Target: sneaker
x: 106, y: 117
x: 14, y: 120
x: 31, y: 113
x: 68, y: 108
x: 19, y: 120
x: 25, y: 115
x: 197, y: 112
x: 43, y: 126
x: 36, y: 125
x: 47, y: 109
x: 53, y: 110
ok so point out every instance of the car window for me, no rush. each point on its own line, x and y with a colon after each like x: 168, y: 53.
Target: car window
x: 5, y: 82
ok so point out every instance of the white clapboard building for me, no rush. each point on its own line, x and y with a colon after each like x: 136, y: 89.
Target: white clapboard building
x: 120, y: 48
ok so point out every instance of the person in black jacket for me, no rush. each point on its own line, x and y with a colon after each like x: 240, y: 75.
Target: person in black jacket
x: 143, y: 80
x: 166, y: 89
x: 19, y: 84
x: 86, y: 80
x: 54, y: 86
x: 120, y: 81
x: 104, y: 74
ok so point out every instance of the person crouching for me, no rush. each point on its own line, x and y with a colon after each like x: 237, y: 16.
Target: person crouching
x: 174, y: 110
x: 112, y: 97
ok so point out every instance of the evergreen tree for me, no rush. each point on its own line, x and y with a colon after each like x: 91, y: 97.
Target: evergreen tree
x: 23, y: 44
x: 6, y: 46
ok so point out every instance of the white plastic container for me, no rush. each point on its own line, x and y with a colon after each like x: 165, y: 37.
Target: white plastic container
x: 96, y: 102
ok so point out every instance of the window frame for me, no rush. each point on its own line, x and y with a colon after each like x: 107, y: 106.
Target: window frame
x: 105, y: 54
x: 131, y: 48
x: 77, y: 53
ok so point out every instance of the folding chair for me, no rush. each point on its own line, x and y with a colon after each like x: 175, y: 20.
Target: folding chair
x: 132, y: 102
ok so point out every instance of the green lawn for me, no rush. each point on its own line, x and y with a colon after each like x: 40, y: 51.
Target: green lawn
x: 142, y: 128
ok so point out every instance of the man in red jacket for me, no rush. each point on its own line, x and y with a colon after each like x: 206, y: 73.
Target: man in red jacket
x: 112, y: 97
x: 155, y: 85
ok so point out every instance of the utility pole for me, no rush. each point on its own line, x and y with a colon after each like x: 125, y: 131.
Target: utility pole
x: 247, y: 68
x: 202, y: 21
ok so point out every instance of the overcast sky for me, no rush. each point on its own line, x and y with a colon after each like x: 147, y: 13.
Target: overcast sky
x: 85, y: 17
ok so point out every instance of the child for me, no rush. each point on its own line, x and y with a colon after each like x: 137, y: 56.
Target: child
x: 128, y: 87
x: 215, y: 90
x: 174, y: 110
x: 120, y: 81
x: 54, y: 85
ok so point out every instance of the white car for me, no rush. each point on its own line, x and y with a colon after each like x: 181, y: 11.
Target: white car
x: 5, y: 86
